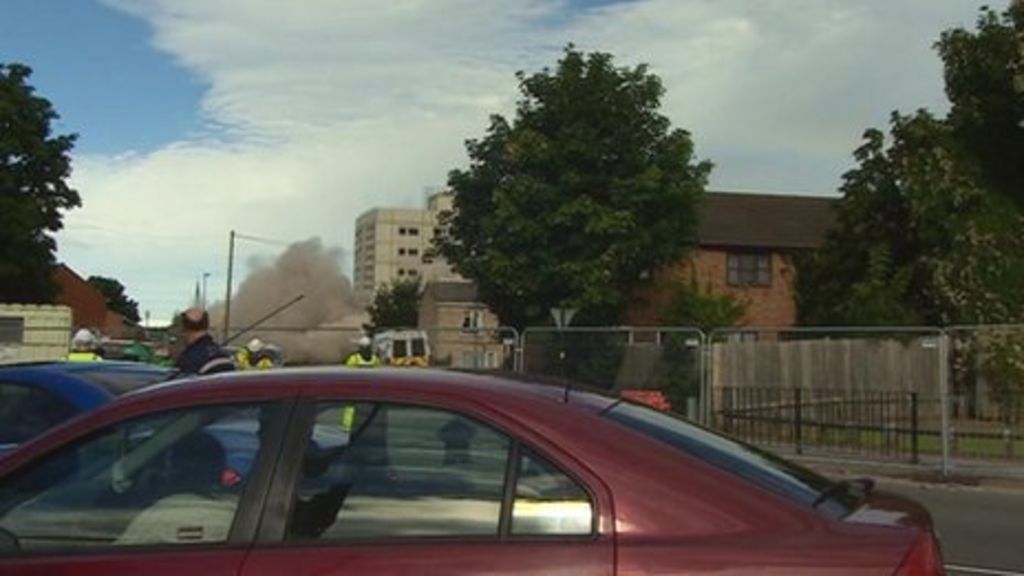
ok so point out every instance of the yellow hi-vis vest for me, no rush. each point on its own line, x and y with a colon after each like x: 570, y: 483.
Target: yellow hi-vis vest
x: 356, y: 360
x: 84, y: 357
x: 242, y: 359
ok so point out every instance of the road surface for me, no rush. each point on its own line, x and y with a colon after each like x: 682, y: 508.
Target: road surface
x: 982, y: 529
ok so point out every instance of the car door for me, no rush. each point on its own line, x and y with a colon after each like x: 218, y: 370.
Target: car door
x: 27, y: 411
x: 172, y: 492
x: 392, y: 488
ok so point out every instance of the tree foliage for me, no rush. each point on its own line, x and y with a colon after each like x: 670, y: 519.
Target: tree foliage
x: 691, y: 306
x: 117, y: 300
x: 34, y: 166
x: 925, y: 234
x: 396, y: 305
x: 984, y: 73
x: 578, y: 198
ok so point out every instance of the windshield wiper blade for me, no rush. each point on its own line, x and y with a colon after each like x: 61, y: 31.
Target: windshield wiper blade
x: 860, y: 486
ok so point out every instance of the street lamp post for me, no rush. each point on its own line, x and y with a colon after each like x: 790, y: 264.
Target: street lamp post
x: 205, y: 276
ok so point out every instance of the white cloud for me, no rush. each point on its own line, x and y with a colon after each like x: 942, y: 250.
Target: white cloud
x: 777, y: 93
x: 318, y: 110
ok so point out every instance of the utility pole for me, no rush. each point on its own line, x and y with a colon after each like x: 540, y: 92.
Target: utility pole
x: 227, y: 297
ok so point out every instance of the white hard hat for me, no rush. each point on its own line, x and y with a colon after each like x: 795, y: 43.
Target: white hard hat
x: 255, y: 345
x: 83, y: 339
x: 364, y: 341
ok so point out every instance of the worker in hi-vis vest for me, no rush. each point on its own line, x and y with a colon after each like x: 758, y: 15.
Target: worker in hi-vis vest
x: 365, y: 357
x: 84, y: 347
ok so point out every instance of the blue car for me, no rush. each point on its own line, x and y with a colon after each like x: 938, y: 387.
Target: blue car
x: 35, y: 397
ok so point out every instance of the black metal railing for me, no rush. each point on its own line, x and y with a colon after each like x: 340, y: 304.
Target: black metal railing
x: 865, y: 422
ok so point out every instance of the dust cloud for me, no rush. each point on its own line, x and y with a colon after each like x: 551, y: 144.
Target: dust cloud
x: 322, y: 328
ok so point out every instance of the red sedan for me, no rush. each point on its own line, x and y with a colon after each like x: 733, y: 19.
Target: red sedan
x: 420, y: 472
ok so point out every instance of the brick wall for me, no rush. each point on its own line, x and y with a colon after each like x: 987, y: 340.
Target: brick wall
x: 88, y: 306
x: 772, y: 305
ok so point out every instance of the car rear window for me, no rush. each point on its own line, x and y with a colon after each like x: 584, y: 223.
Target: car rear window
x: 122, y: 381
x: 752, y: 464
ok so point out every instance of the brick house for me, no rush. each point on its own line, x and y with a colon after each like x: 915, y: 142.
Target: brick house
x: 745, y: 247
x: 88, y: 305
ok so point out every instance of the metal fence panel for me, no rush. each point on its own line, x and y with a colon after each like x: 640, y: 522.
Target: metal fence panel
x: 473, y: 348
x: 950, y: 396
x: 836, y: 422
x: 874, y: 392
x: 986, y: 366
x: 447, y: 347
x: 660, y: 365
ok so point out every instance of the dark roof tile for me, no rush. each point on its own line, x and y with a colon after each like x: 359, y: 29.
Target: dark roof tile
x: 765, y: 220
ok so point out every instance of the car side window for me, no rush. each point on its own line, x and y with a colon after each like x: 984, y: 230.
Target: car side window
x: 548, y: 502
x: 27, y: 411
x: 394, y: 471
x: 171, y: 478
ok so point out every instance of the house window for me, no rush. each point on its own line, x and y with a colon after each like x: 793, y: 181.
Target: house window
x: 401, y: 271
x: 413, y: 272
x: 414, y: 252
x: 472, y: 319
x: 401, y: 231
x: 749, y: 269
x: 12, y: 330
x: 401, y: 251
x: 414, y: 231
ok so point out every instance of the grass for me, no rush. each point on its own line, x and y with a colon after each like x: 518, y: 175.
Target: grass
x: 894, y: 444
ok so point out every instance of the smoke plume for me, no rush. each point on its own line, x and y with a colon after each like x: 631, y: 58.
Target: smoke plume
x: 321, y: 328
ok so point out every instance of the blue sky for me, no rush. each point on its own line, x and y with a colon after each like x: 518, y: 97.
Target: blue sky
x: 102, y: 74
x: 288, y: 119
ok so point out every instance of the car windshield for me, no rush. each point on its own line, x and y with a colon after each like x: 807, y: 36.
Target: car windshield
x: 122, y: 381
x: 752, y: 464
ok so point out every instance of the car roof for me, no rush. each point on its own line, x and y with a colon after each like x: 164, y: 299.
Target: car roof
x: 469, y: 385
x: 61, y: 366
x: 81, y: 383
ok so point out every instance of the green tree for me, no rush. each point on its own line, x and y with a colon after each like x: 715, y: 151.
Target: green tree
x: 918, y: 239
x: 984, y: 73
x: 34, y: 167
x: 577, y: 199
x: 929, y: 225
x: 691, y: 306
x: 1002, y: 366
x: 396, y: 305
x: 117, y: 300
x: 678, y: 373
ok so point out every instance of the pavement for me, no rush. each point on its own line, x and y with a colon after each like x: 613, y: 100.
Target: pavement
x: 979, y: 517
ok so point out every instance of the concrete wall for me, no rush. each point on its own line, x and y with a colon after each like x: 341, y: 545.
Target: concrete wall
x: 392, y: 243
x: 46, y: 332
x: 451, y: 346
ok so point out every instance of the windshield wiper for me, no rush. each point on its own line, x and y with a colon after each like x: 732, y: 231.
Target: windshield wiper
x: 860, y: 487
